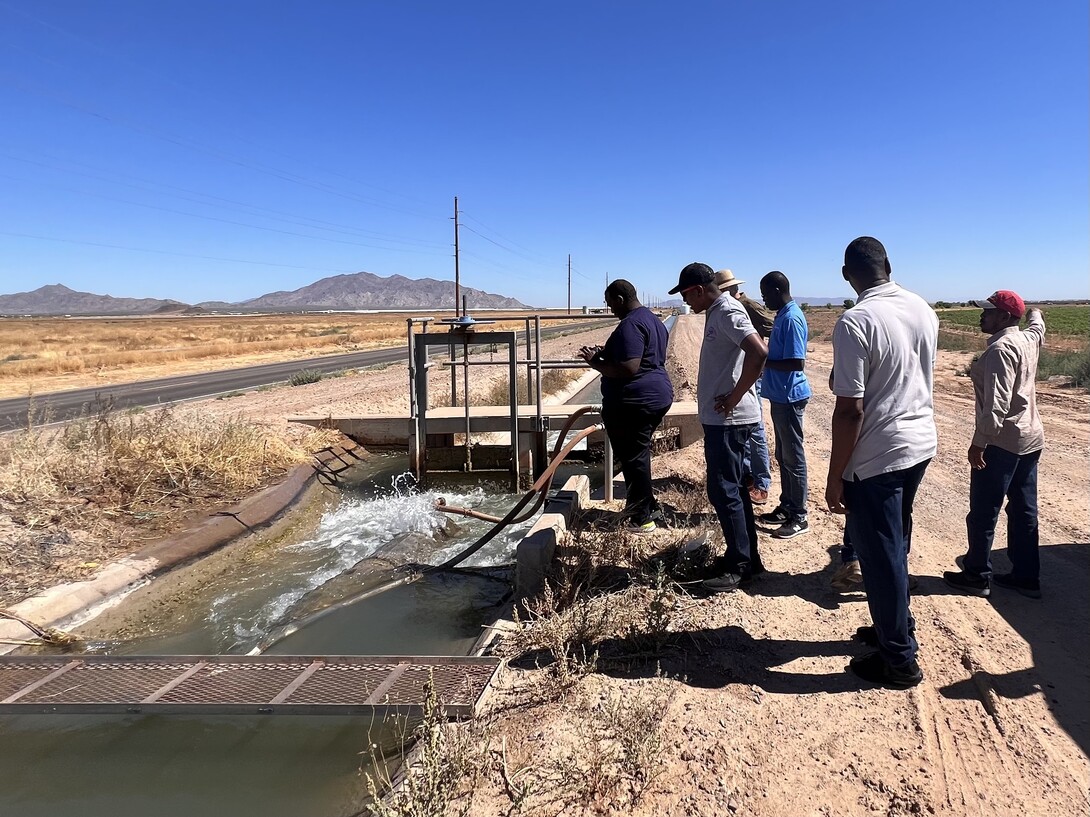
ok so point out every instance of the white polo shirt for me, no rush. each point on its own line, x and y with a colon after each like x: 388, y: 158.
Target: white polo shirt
x: 726, y: 325
x: 884, y: 351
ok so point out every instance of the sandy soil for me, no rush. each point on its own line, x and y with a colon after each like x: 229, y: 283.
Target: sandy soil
x: 763, y: 719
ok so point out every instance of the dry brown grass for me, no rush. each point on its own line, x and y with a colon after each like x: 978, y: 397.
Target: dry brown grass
x: 45, y: 354
x: 71, y: 496
x: 608, y: 588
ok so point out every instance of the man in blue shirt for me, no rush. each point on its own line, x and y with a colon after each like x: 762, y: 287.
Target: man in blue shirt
x: 636, y: 394
x: 787, y: 390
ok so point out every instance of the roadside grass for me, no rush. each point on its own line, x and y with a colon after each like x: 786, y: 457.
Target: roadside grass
x: 44, y: 347
x: 72, y: 495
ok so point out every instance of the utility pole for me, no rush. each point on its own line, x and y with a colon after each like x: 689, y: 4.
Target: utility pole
x: 457, y: 277
x: 569, y: 283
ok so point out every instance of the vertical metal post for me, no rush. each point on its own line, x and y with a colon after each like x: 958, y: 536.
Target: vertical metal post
x: 418, y: 454
x: 609, y: 469
x: 537, y: 361
x: 412, y: 368
x: 512, y: 395
x: 457, y: 274
x: 529, y: 366
x: 465, y: 384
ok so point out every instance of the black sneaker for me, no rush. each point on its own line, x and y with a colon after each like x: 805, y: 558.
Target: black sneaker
x: 791, y: 528
x: 777, y: 517
x: 967, y: 583
x: 723, y: 584
x: 868, y: 636
x: 874, y: 668
x: 1030, y: 588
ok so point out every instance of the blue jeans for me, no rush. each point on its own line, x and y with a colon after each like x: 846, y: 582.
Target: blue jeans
x: 790, y: 455
x: 1015, y: 477
x: 724, y: 452
x: 880, y: 527
x: 757, y: 452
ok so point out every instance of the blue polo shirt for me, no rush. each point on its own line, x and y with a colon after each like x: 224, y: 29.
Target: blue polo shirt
x: 639, y: 335
x: 787, y: 342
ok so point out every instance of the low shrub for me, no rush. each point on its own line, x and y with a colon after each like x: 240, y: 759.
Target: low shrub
x: 305, y: 376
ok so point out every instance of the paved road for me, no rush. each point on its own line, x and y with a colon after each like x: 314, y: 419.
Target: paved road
x: 66, y: 405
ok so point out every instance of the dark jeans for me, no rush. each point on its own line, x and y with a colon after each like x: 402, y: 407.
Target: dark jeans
x: 724, y: 452
x: 629, y: 429
x: 880, y: 527
x: 1015, y: 477
x: 790, y: 455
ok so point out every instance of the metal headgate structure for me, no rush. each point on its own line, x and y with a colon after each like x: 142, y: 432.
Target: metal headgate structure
x: 242, y: 685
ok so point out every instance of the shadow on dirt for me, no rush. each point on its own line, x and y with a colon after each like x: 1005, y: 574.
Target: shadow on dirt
x: 1057, y: 629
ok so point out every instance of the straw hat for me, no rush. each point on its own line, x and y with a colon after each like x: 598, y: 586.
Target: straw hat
x: 724, y: 279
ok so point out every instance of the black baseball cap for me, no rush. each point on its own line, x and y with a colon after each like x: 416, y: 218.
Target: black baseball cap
x: 694, y: 275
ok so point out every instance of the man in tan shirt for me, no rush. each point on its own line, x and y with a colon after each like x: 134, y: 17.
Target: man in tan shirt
x: 1006, y: 447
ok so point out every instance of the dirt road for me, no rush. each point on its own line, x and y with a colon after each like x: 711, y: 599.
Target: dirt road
x: 763, y: 719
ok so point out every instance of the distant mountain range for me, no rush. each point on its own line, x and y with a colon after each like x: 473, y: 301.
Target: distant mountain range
x: 361, y: 290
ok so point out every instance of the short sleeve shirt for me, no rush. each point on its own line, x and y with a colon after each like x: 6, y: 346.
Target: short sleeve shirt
x: 639, y: 335
x: 786, y: 342
x: 726, y: 325
x: 884, y: 352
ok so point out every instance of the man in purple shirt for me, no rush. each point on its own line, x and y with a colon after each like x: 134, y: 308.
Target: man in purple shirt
x: 636, y: 394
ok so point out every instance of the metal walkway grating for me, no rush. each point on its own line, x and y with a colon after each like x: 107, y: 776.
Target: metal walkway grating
x: 229, y: 684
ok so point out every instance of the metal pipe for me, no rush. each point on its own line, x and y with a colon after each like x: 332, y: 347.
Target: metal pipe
x: 609, y: 471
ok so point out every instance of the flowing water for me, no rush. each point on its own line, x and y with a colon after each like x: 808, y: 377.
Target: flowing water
x: 287, y: 765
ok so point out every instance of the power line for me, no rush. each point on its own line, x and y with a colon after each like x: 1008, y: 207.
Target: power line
x: 170, y: 252
x: 248, y: 208
x: 219, y: 220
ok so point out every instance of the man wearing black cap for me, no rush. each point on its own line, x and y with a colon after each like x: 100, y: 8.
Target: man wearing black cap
x: 731, y: 358
x: 1006, y: 447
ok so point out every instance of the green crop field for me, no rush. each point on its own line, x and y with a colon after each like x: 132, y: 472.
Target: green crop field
x: 1062, y: 319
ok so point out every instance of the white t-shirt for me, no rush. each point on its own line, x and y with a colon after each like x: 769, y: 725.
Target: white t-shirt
x: 884, y: 351
x: 726, y: 325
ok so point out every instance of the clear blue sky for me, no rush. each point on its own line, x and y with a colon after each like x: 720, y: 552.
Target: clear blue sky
x: 256, y: 146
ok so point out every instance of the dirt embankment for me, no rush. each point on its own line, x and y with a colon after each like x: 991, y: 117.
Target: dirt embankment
x: 758, y: 714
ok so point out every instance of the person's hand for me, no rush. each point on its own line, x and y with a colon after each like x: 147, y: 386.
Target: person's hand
x: 587, y: 352
x: 725, y: 403
x: 976, y: 458
x: 834, y: 494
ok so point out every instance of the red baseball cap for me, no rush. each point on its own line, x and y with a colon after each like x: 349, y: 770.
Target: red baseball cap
x: 1005, y: 300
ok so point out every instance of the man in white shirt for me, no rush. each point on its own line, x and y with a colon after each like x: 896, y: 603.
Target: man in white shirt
x: 1006, y: 447
x: 731, y: 357
x: 883, y: 437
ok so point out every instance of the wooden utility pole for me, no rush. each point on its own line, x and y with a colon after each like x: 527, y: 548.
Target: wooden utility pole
x: 457, y: 277
x: 569, y: 283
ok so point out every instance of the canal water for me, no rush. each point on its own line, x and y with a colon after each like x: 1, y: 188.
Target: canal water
x: 295, y: 766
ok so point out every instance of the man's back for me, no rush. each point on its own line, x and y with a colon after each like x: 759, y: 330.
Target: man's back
x: 884, y: 352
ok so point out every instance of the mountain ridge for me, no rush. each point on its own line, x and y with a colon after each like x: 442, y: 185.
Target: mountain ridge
x: 359, y: 290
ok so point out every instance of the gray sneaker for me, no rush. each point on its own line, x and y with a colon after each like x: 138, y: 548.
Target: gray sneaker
x: 791, y: 528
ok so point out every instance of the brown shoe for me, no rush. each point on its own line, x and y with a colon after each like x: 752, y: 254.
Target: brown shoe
x: 757, y: 496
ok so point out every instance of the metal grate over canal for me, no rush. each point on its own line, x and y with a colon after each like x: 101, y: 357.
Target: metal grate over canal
x: 226, y: 685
